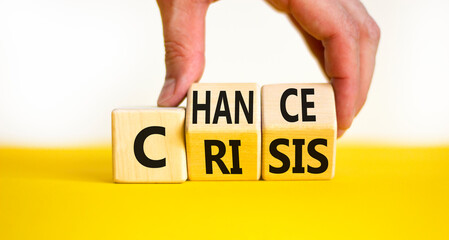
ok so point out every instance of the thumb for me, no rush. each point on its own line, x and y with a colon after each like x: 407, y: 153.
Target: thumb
x: 184, y: 27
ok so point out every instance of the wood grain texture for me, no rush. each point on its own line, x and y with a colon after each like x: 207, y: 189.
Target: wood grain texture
x: 246, y: 133
x: 299, y: 159
x: 127, y: 124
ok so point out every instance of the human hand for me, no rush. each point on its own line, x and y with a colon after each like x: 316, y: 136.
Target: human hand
x: 340, y: 33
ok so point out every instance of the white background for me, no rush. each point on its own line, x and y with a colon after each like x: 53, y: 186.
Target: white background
x: 65, y: 64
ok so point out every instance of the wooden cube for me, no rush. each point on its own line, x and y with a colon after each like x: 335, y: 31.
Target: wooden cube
x: 223, y: 132
x: 148, y: 145
x: 298, y: 131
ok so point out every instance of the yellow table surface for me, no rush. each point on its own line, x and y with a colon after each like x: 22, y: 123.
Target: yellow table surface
x: 377, y: 193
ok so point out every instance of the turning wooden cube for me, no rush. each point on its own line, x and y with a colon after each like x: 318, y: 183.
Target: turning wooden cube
x: 223, y: 132
x: 148, y: 145
x: 298, y: 131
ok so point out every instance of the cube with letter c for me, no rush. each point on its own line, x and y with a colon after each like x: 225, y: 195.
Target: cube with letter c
x: 148, y: 145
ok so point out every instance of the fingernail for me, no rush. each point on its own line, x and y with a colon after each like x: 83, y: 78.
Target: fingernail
x: 167, y: 92
x: 340, y: 133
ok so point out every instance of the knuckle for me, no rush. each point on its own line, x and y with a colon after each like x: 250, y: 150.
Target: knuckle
x: 371, y: 29
x: 179, y: 54
x: 175, y: 50
x: 352, y: 29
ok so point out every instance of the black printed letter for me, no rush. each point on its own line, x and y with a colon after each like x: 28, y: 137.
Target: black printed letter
x: 240, y: 102
x: 235, y: 157
x: 288, y: 117
x: 222, y: 100
x: 305, y: 105
x: 282, y: 157
x: 217, y: 158
x: 138, y: 147
x: 298, y: 168
x: 318, y: 156
x: 204, y: 107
